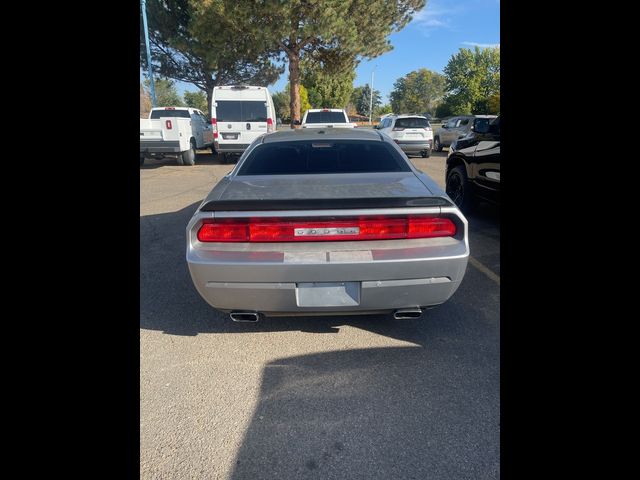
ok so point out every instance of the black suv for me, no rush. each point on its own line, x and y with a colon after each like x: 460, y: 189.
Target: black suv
x: 473, y: 168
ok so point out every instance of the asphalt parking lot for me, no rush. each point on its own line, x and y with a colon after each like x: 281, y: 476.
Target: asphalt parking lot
x: 322, y: 397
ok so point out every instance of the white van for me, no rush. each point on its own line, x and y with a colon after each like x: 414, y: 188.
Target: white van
x: 239, y: 115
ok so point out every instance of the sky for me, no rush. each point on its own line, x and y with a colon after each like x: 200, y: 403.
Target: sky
x: 436, y: 33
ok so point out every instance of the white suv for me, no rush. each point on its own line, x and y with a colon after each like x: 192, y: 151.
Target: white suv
x: 412, y: 133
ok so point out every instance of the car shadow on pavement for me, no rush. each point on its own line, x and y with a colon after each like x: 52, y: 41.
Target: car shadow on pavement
x: 425, y: 409
x: 204, y: 158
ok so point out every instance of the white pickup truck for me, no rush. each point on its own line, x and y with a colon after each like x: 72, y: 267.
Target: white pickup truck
x: 175, y: 131
x: 326, y: 118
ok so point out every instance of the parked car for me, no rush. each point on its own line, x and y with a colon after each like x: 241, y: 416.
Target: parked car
x: 326, y: 222
x: 240, y: 114
x: 412, y: 133
x: 326, y: 118
x: 473, y: 172
x: 174, y: 131
x: 458, y: 127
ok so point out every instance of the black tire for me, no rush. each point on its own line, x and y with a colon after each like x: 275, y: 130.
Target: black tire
x: 459, y: 189
x: 141, y: 160
x: 425, y: 153
x: 437, y: 146
x: 188, y: 157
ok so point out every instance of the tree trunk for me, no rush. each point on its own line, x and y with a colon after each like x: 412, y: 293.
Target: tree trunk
x: 294, y: 86
x: 209, y: 100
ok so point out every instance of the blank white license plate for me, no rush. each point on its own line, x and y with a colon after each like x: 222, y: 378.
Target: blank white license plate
x: 413, y: 135
x: 336, y: 294
x: 230, y: 136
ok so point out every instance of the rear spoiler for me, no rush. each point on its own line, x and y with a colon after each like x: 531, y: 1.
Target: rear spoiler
x: 323, y: 204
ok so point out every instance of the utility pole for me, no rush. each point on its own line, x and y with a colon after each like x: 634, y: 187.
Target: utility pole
x: 370, y: 95
x: 146, y: 40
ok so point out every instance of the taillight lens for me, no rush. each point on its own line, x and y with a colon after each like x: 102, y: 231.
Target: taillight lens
x: 214, y: 124
x: 168, y: 124
x: 269, y: 125
x: 323, y: 230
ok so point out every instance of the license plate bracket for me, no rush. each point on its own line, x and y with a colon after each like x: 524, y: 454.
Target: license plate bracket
x: 328, y: 294
x: 230, y: 136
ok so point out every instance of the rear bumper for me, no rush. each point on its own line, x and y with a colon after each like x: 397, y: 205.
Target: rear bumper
x: 414, y: 145
x: 377, y: 276
x: 231, y: 147
x: 160, y: 146
x: 273, y: 298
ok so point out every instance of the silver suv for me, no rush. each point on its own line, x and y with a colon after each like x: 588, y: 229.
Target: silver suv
x: 458, y: 127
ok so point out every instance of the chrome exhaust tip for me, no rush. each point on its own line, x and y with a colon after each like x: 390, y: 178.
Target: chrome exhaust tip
x: 406, y: 313
x: 244, y: 317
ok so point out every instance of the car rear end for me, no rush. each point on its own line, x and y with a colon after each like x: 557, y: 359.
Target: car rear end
x: 160, y: 133
x: 413, y: 134
x: 240, y: 114
x: 326, y: 118
x: 326, y: 244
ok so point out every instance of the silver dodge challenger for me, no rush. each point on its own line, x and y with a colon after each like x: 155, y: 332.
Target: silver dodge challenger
x: 326, y: 222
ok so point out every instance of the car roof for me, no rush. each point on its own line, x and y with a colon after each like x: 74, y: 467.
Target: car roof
x: 409, y: 115
x: 325, y: 110
x: 322, y: 134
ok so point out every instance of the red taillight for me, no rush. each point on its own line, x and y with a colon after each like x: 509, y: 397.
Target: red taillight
x: 321, y: 230
x: 168, y: 124
x: 269, y: 125
x: 269, y: 121
x: 169, y: 108
x: 214, y: 124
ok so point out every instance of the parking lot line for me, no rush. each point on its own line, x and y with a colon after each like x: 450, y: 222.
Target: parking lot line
x: 488, y: 272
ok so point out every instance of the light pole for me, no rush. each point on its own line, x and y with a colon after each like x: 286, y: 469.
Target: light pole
x: 371, y: 95
x: 146, y: 40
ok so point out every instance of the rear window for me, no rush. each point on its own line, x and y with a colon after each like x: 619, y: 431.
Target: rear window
x: 170, y: 113
x: 329, y: 156
x: 325, y: 117
x: 241, y: 111
x: 412, y: 123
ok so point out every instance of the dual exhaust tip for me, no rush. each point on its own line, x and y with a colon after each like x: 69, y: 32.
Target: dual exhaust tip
x: 253, y: 317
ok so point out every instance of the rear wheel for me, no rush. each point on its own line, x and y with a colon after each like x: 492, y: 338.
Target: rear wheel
x: 425, y: 153
x: 437, y: 147
x: 459, y: 188
x: 188, y: 157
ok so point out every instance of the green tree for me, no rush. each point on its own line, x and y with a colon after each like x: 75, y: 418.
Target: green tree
x: 166, y: 93
x: 145, y: 102
x: 326, y: 86
x: 493, y: 104
x: 382, y: 110
x: 360, y: 98
x: 327, y: 31
x: 190, y: 42
x: 472, y: 77
x: 417, y: 92
x: 196, y: 100
x: 281, y: 104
